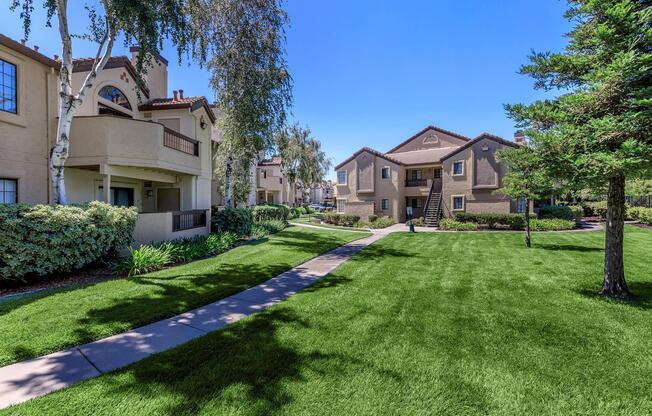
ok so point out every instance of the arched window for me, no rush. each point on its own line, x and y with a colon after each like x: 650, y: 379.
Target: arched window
x: 114, y: 95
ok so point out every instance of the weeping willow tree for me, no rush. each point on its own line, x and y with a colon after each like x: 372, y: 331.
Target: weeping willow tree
x: 253, y: 88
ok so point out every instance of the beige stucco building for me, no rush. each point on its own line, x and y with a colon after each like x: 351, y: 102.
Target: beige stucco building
x: 435, y: 172
x: 272, y: 187
x: 130, y: 144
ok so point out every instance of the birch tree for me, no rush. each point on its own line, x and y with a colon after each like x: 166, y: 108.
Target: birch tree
x: 145, y: 23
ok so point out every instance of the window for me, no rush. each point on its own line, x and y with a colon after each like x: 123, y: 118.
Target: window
x: 416, y: 174
x: 437, y: 174
x: 384, y: 204
x: 341, y: 205
x: 520, y: 205
x: 458, y: 168
x: 114, y: 95
x: 8, y: 191
x: 384, y: 173
x: 416, y: 203
x: 122, y: 197
x: 458, y: 203
x: 102, y: 109
x: 341, y: 177
x: 264, y: 174
x: 8, y: 88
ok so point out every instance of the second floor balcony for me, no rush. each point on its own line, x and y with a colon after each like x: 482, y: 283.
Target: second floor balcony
x: 96, y: 140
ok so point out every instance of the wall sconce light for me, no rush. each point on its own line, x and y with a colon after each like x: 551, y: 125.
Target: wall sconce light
x: 202, y: 123
x: 150, y: 193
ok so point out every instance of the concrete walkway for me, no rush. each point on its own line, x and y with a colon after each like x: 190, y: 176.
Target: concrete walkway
x: 33, y: 378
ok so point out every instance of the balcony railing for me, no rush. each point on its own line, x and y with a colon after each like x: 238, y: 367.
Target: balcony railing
x: 187, y: 220
x: 178, y: 141
x: 416, y: 182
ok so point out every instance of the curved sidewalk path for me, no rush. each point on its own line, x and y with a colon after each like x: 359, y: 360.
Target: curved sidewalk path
x: 36, y: 377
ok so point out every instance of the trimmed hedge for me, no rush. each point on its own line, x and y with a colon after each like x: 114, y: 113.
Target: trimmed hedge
x: 341, y: 219
x: 265, y: 228
x: 237, y: 220
x: 513, y: 221
x: 46, y: 239
x: 640, y: 214
x: 450, y: 224
x: 569, y: 213
x: 270, y: 212
x: 592, y: 209
x: 551, y: 224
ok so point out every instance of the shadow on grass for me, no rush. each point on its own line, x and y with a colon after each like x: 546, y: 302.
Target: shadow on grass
x: 568, y: 247
x: 641, y: 296
x: 243, y: 368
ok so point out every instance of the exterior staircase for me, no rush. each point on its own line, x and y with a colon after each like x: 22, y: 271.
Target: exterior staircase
x: 433, y: 209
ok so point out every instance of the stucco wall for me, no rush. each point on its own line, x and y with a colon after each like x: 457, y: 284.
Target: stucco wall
x: 24, y: 136
x: 429, y: 140
x: 481, y: 178
x: 156, y: 227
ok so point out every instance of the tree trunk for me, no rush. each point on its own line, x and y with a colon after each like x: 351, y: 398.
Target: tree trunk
x: 528, y: 239
x: 614, y: 272
x: 227, y: 184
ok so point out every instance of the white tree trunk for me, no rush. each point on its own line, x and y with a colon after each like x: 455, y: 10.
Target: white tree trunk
x: 69, y: 103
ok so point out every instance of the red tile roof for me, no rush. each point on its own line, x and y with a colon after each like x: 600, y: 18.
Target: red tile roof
x: 193, y: 103
x: 275, y: 160
x: 373, y: 152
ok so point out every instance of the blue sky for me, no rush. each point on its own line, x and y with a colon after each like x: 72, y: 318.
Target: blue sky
x: 372, y: 73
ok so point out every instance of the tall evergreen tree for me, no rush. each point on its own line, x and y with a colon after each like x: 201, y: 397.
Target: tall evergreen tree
x: 598, y: 131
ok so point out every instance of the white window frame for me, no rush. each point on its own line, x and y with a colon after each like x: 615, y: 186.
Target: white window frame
x: 340, y: 207
x: 15, y: 192
x: 389, y: 173
x: 453, y: 168
x: 453, y: 202
x: 382, y: 204
x: 346, y: 177
x: 419, y: 204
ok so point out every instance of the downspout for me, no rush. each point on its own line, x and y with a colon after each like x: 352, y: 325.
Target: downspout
x: 48, y: 133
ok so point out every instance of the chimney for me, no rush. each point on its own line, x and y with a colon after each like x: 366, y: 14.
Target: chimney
x: 36, y: 48
x: 519, y: 137
x: 174, y: 94
x: 56, y: 57
x: 22, y: 42
x: 181, y: 94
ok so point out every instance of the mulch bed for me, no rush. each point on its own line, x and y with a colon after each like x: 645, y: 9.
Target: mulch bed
x: 91, y: 274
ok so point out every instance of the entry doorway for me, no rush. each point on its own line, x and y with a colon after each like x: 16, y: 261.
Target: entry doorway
x: 168, y: 199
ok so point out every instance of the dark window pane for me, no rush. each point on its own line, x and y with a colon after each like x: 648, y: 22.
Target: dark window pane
x: 114, y: 95
x: 8, y: 98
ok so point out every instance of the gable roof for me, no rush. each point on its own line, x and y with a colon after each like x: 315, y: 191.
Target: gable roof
x: 274, y: 161
x: 431, y: 127
x: 86, y: 64
x: 193, y: 103
x: 482, y: 136
x: 27, y: 51
x: 423, y: 156
x: 373, y: 152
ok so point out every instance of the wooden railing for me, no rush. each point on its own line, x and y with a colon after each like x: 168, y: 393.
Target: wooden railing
x: 178, y: 141
x: 416, y: 182
x: 187, y: 220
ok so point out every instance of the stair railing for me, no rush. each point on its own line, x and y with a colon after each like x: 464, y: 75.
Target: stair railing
x: 432, y: 187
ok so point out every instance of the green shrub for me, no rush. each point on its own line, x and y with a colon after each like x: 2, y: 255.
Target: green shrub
x: 294, y: 213
x: 551, y: 224
x: 152, y: 257
x: 143, y: 260
x: 570, y: 212
x: 265, y: 228
x: 373, y: 218
x: 450, y: 224
x: 237, y: 220
x: 513, y: 221
x: 270, y: 212
x: 382, y: 222
x: 341, y: 219
x: 419, y: 222
x: 640, y: 214
x: 46, y: 239
x: 593, y: 209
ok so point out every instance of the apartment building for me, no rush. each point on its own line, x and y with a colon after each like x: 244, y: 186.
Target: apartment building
x: 436, y: 172
x: 322, y: 194
x: 271, y: 185
x: 130, y: 144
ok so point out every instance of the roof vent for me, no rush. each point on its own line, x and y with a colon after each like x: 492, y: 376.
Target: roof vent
x: 519, y: 137
x: 181, y: 94
x: 36, y: 48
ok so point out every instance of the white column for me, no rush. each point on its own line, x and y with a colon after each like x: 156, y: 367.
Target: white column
x: 106, y: 187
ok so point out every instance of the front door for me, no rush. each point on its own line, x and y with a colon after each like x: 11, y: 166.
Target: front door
x: 168, y: 199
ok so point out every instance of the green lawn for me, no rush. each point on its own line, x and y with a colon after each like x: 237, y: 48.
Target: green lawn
x: 304, y: 219
x: 445, y: 323
x: 47, y: 322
